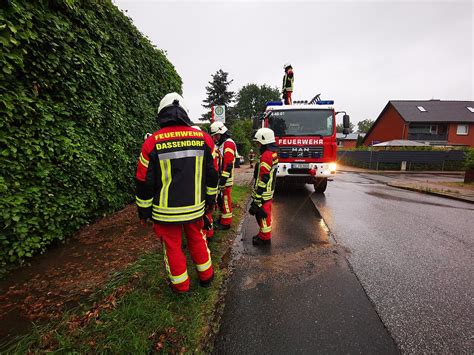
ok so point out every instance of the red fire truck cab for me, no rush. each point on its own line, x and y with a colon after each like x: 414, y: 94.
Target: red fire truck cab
x: 306, y: 137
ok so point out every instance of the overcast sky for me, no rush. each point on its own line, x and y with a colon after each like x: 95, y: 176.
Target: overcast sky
x: 361, y: 54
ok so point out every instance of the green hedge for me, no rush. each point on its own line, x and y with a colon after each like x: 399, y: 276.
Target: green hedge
x: 79, y: 89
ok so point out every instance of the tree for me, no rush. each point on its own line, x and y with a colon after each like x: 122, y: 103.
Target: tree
x: 251, y: 99
x: 364, y: 125
x: 339, y: 128
x: 218, y: 94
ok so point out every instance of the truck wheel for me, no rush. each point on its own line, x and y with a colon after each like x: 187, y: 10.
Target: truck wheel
x: 320, y: 185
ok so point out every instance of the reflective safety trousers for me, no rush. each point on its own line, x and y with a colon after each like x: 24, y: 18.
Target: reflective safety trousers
x: 265, y: 224
x: 176, y: 175
x: 175, y: 260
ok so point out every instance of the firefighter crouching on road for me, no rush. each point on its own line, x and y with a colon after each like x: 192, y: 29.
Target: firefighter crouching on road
x: 265, y: 178
x: 176, y: 185
x: 288, y: 83
x: 227, y: 152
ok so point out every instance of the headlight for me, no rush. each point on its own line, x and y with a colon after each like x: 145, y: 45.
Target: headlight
x: 332, y: 167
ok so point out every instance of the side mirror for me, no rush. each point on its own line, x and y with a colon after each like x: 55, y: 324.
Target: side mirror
x: 346, y: 123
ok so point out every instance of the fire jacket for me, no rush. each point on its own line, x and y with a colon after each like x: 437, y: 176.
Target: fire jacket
x: 288, y: 81
x: 176, y: 176
x: 265, y: 175
x: 228, y: 152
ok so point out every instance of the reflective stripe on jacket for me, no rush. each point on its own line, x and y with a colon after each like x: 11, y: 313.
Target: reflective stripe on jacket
x: 228, y: 152
x: 175, y: 175
x: 288, y: 81
x: 265, y: 177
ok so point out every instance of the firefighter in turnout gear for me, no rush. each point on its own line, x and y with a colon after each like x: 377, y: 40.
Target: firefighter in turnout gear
x: 176, y: 185
x: 265, y: 177
x: 228, y: 152
x: 288, y: 84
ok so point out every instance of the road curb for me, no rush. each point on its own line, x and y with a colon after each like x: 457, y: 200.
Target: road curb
x: 431, y: 192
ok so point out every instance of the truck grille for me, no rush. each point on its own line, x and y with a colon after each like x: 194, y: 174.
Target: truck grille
x: 300, y: 152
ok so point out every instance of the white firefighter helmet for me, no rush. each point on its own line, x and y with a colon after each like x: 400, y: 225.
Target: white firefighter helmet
x: 264, y: 136
x: 170, y: 99
x: 287, y: 65
x: 218, y: 127
x: 197, y: 127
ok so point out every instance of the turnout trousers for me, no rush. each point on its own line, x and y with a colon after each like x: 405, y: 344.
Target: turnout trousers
x: 265, y: 224
x: 175, y: 260
x: 226, y: 207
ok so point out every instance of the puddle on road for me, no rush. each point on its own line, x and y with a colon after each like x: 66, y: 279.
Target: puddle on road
x: 387, y: 196
x: 302, y: 244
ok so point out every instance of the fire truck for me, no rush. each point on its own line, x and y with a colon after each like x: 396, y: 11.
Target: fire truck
x: 305, y: 133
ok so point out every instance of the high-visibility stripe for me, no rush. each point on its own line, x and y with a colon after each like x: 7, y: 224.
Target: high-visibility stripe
x: 227, y: 215
x: 198, y: 179
x: 265, y: 165
x: 211, y: 190
x: 174, y: 279
x: 177, y: 218
x: 179, y: 279
x: 143, y: 160
x: 166, y: 181
x: 176, y: 210
x: 144, y: 203
x: 205, y: 266
x: 261, y: 184
x: 265, y: 228
x: 181, y: 154
x: 229, y: 150
x: 225, y: 174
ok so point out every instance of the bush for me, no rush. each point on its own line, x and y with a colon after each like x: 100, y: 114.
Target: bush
x: 79, y: 88
x: 469, y: 162
x: 242, y: 133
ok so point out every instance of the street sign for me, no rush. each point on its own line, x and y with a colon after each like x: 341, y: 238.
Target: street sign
x: 219, y: 113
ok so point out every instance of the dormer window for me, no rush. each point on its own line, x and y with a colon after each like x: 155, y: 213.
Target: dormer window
x: 470, y: 109
x: 421, y: 108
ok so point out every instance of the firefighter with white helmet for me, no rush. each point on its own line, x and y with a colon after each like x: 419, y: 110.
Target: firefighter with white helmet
x: 176, y: 186
x: 265, y: 178
x: 288, y: 84
x: 228, y: 152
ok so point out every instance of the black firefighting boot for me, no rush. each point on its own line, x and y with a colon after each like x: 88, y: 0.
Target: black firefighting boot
x: 206, y: 283
x: 256, y: 240
x: 222, y: 227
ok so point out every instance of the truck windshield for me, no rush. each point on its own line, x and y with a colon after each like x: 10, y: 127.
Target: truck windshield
x: 302, y: 122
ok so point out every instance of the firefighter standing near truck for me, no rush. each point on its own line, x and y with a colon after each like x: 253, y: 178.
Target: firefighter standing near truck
x: 176, y: 185
x: 264, y: 187
x: 288, y: 84
x: 228, y: 152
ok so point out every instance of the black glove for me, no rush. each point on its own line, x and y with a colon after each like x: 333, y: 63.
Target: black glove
x: 261, y: 214
x: 207, y: 223
x: 220, y: 200
x: 253, y: 209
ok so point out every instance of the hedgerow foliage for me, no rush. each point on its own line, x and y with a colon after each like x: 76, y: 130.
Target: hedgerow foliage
x: 79, y: 88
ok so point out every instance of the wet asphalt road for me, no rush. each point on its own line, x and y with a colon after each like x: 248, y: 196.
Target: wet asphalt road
x: 413, y: 254
x: 299, y: 295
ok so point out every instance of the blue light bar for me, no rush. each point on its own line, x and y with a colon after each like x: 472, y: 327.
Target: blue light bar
x: 326, y: 102
x: 274, y: 103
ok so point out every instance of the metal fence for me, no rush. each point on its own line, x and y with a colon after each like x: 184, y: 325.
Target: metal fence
x: 404, y: 159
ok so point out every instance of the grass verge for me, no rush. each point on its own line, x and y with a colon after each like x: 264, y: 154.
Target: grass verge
x: 135, y: 312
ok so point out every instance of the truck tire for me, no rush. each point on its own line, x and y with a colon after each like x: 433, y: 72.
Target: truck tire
x: 320, y: 185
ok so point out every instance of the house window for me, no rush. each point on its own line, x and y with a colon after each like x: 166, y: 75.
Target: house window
x: 462, y: 130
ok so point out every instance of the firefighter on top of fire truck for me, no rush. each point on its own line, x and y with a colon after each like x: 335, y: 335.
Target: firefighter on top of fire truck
x: 265, y: 177
x: 288, y: 84
x: 228, y: 152
x: 176, y: 185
